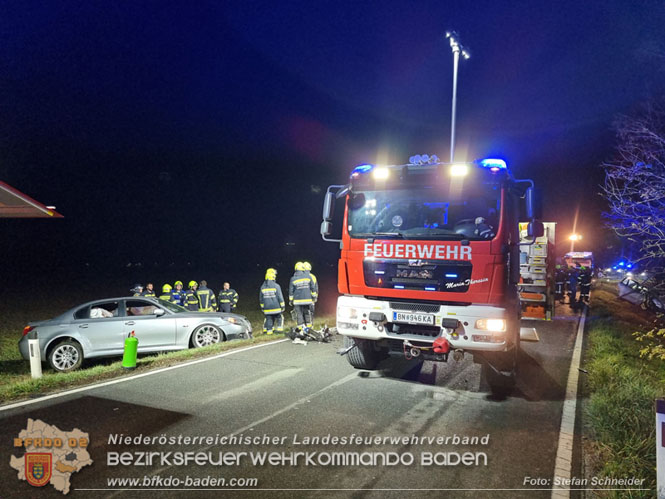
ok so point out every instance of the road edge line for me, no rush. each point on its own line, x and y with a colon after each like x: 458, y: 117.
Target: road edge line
x: 564, y: 454
x: 136, y: 376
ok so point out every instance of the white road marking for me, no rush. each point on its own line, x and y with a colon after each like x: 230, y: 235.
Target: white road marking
x: 129, y: 378
x: 564, y: 454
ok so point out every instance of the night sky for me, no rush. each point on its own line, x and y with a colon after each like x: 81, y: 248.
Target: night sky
x: 206, y: 133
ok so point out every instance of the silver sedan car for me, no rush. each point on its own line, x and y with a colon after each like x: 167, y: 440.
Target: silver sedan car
x: 99, y: 329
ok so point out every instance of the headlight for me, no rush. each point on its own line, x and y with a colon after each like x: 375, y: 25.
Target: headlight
x: 495, y: 325
x: 347, y: 313
x: 232, y: 320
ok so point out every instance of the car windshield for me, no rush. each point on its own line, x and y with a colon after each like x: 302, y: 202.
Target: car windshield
x: 172, y: 307
x: 425, y: 213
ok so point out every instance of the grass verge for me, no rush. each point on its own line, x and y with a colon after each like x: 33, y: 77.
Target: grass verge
x: 619, y: 414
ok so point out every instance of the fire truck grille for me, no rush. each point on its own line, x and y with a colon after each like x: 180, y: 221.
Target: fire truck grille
x: 451, y: 276
x: 415, y: 307
x: 426, y: 331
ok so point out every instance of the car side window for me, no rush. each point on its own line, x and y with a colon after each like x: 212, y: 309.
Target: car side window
x: 98, y: 311
x: 139, y: 308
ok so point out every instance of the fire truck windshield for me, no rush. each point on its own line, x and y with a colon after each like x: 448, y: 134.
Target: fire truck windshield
x: 424, y: 213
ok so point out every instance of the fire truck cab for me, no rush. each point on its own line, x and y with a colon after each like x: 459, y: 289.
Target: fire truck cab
x: 429, y: 262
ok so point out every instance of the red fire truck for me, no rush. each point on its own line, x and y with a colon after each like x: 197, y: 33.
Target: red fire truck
x: 430, y: 262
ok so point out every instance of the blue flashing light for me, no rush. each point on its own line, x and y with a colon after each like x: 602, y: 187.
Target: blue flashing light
x: 630, y: 265
x: 621, y: 264
x: 430, y: 289
x: 399, y: 286
x: 451, y: 276
x: 493, y: 163
x: 380, y: 272
x: 362, y: 169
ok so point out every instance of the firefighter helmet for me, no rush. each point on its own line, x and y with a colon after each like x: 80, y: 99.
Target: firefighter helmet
x: 166, y: 288
x: 271, y: 274
x: 177, y: 282
x: 192, y: 284
x: 307, y: 266
x: 299, y: 266
x: 137, y: 288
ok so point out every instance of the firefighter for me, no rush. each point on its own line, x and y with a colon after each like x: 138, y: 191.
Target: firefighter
x: 228, y: 298
x: 572, y: 287
x: 178, y: 295
x: 584, y: 281
x: 166, y: 293
x: 191, y: 297
x: 271, y: 300
x: 301, y: 296
x: 137, y: 289
x: 559, y: 283
x: 207, y: 300
x: 149, y: 291
x: 315, y: 294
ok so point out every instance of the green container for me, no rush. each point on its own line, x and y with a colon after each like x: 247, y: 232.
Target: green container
x: 129, y: 355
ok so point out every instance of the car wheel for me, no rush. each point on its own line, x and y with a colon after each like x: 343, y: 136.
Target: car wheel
x: 206, y: 334
x: 66, y: 356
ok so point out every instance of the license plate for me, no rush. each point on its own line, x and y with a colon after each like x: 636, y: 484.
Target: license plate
x: 411, y: 318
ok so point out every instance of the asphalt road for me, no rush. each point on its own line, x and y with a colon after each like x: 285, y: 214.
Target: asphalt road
x: 290, y: 392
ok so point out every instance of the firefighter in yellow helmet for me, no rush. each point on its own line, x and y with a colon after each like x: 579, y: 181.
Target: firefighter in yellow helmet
x: 178, y: 294
x: 191, y: 297
x: 166, y: 293
x: 315, y: 293
x: 301, y: 295
x: 271, y: 300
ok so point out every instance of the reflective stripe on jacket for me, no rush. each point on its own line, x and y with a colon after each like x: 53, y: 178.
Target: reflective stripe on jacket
x: 191, y: 301
x: 302, y: 289
x: 228, y: 296
x: 207, y: 300
x: 271, y: 298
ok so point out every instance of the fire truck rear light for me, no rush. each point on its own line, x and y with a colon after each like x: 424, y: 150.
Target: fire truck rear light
x: 459, y: 170
x: 27, y: 329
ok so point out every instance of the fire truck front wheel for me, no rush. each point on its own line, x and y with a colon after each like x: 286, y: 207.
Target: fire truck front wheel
x: 364, y: 355
x: 499, y: 370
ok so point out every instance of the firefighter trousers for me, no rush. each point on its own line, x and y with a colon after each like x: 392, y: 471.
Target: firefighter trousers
x: 273, y: 322
x: 304, y: 315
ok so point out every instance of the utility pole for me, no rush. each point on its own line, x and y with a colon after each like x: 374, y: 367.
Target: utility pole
x: 457, y: 49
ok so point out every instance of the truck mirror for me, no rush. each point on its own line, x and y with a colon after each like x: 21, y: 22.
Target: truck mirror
x: 535, y: 229
x: 326, y: 228
x: 328, y: 207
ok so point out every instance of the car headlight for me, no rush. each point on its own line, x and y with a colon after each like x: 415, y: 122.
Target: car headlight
x: 232, y: 320
x: 494, y: 325
x: 347, y: 313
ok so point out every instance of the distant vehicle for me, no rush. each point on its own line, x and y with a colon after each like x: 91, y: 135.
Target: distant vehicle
x: 584, y: 258
x: 99, y: 329
x: 639, y: 293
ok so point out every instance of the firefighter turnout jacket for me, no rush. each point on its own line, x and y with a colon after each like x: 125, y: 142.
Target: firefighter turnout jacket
x: 302, y: 289
x: 271, y: 298
x: 228, y: 296
x: 191, y: 300
x: 207, y: 301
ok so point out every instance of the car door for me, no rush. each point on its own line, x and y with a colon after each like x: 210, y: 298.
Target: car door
x: 101, y: 327
x: 152, y: 330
